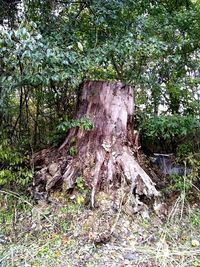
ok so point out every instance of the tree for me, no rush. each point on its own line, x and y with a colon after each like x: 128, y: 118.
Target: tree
x: 151, y: 45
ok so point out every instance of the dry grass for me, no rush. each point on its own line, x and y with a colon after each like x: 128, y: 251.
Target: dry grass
x: 64, y: 233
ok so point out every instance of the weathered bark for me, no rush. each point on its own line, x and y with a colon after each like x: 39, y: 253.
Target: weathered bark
x: 105, y: 154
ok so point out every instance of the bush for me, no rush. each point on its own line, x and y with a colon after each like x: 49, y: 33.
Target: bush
x: 166, y: 133
x: 13, y: 169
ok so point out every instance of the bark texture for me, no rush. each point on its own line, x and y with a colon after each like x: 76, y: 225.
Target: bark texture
x: 105, y: 154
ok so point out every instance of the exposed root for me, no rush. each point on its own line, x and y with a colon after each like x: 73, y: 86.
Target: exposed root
x: 100, y: 159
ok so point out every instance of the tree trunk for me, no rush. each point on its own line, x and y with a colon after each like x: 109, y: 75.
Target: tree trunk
x: 105, y: 153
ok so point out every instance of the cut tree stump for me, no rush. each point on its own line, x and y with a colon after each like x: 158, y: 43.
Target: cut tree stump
x: 105, y: 153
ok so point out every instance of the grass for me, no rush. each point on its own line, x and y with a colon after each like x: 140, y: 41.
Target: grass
x: 63, y: 233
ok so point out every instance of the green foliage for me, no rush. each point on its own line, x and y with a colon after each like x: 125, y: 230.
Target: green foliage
x: 11, y: 204
x: 65, y: 226
x: 195, y: 218
x: 56, y: 45
x: 169, y: 127
x: 84, y: 124
x: 13, y: 170
x: 80, y: 184
x: 183, y: 150
x: 193, y: 161
x: 73, y: 151
x: 82, y: 189
x: 180, y: 183
x: 53, y: 45
x: 37, y: 82
x: 30, y: 59
x: 185, y: 183
x: 167, y: 132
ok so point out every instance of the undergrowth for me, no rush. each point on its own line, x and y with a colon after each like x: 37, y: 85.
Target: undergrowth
x: 14, y: 172
x: 61, y: 233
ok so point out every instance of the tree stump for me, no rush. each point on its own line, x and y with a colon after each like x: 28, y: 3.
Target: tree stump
x: 105, y: 154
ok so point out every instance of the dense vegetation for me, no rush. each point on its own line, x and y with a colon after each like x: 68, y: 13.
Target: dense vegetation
x: 48, y: 47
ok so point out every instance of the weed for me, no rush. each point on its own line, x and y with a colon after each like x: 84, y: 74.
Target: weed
x: 80, y: 185
x: 195, y: 218
x: 73, y: 151
x: 180, y: 183
x: 64, y: 226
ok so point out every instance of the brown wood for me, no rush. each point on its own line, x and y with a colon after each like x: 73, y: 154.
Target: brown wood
x: 105, y: 153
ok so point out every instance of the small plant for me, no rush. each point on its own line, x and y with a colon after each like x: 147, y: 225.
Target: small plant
x: 64, y: 226
x: 80, y: 184
x: 84, y: 124
x: 185, y: 183
x: 180, y: 183
x: 73, y: 151
x: 195, y: 218
x: 80, y: 199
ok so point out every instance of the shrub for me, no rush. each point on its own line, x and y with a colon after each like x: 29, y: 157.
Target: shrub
x: 165, y: 133
x: 13, y: 169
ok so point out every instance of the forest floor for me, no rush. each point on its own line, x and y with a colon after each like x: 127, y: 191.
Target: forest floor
x: 67, y: 233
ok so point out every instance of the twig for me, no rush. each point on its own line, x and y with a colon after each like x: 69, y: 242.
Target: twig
x: 183, y: 194
x: 173, y: 210
x: 196, y: 187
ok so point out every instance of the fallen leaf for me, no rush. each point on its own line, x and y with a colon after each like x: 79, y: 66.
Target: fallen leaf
x: 195, y: 243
